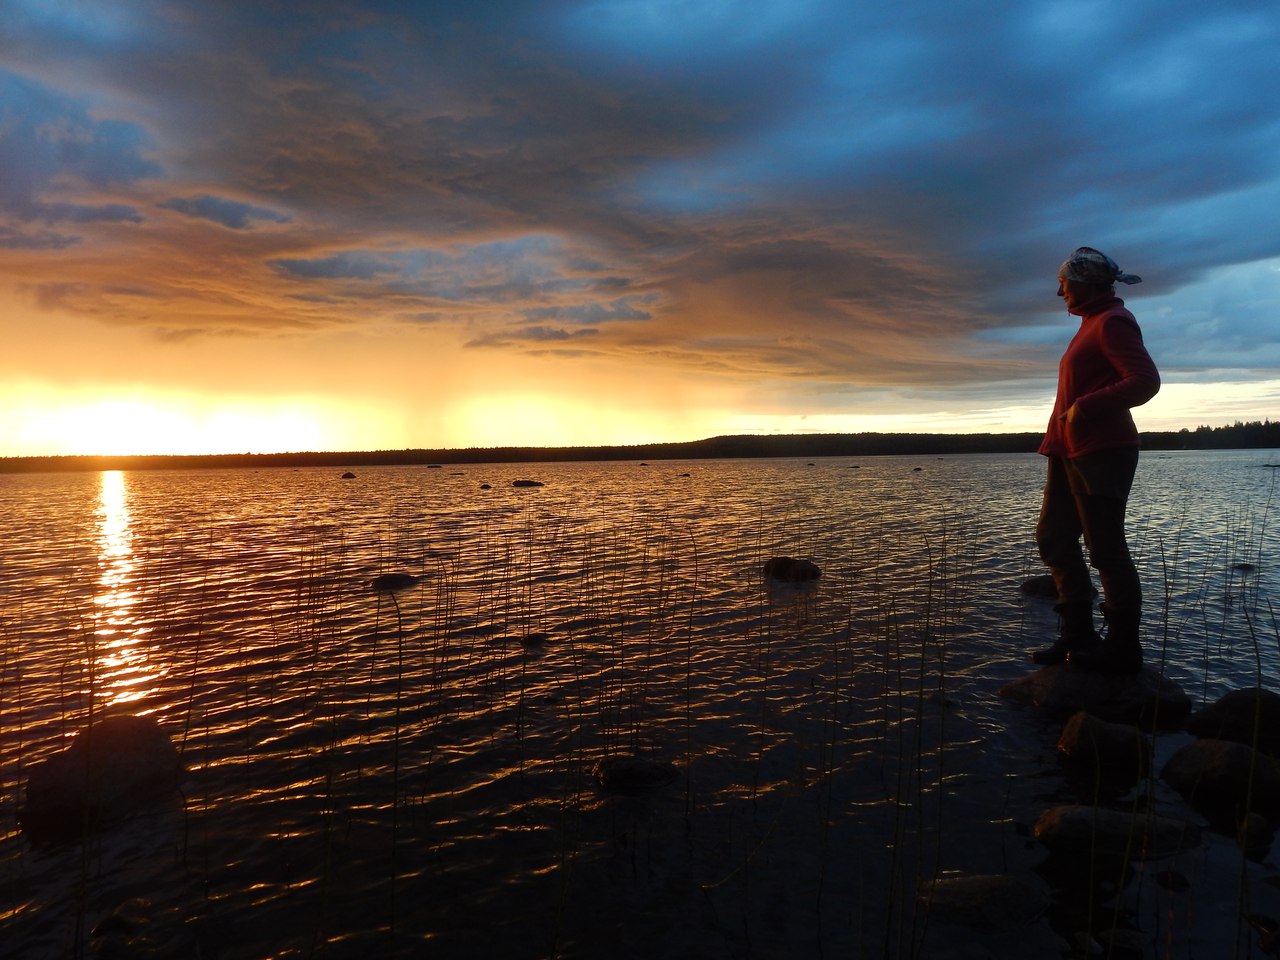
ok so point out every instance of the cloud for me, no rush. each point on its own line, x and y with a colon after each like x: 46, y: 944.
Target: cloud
x: 229, y: 213
x: 508, y: 271
x: 85, y: 213
x: 15, y: 239
x: 339, y: 266
x: 812, y: 195
x: 623, y: 309
x: 50, y: 145
x: 540, y: 336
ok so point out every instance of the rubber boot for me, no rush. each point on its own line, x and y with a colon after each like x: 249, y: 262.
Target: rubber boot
x: 1075, y: 633
x: 1119, y: 653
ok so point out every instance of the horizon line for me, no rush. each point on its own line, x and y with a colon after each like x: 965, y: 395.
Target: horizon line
x: 723, y: 446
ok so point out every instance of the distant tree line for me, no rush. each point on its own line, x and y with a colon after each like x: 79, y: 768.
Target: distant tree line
x: 1254, y: 435
x: 1238, y: 436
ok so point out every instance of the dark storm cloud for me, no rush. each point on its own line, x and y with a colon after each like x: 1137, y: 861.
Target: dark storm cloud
x: 809, y: 189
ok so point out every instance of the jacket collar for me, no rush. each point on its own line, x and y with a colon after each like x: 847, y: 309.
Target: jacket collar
x: 1094, y: 307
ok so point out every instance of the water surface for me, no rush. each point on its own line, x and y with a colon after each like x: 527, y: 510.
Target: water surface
x: 410, y: 774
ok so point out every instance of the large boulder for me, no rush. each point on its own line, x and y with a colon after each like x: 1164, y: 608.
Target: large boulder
x: 1145, y: 699
x: 112, y: 769
x: 1250, y: 716
x: 1225, y: 780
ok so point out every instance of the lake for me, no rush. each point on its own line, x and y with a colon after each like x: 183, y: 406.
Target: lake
x: 405, y: 774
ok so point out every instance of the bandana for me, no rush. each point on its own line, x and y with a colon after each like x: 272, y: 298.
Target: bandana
x: 1088, y: 265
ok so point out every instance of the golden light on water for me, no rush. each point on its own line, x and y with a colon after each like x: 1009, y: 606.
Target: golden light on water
x: 122, y: 665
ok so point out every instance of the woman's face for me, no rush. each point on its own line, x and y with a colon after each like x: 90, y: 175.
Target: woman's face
x: 1076, y: 294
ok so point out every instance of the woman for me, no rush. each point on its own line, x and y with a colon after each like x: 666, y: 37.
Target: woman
x: 1092, y: 446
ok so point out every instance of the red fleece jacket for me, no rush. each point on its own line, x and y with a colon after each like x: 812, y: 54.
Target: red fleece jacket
x: 1105, y: 371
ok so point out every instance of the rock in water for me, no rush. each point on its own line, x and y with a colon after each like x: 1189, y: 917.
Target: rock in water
x: 985, y: 901
x: 1084, y: 831
x: 791, y: 570
x: 1119, y: 747
x: 1222, y: 779
x: 1043, y: 586
x: 1145, y: 699
x: 527, y: 483
x: 1040, y: 586
x: 112, y: 769
x: 1250, y: 716
x: 633, y: 775
x: 391, y: 582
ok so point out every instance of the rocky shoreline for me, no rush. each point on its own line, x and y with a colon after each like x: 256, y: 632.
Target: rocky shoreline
x: 1195, y: 827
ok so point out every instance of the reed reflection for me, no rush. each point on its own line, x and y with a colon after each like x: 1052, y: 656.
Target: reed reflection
x: 122, y: 664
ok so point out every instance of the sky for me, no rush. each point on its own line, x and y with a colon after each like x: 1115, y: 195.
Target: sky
x: 274, y: 226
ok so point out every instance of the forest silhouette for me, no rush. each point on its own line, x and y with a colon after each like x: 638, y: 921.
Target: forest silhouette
x: 1238, y: 436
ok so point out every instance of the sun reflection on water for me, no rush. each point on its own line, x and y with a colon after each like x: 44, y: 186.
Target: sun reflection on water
x: 122, y: 663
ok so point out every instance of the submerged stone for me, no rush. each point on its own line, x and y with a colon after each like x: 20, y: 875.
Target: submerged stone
x: 989, y: 901
x: 139, y: 928
x: 391, y: 582
x: 791, y: 569
x: 632, y: 775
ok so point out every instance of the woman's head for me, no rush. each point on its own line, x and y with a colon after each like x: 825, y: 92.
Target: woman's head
x: 1093, y: 267
x: 1088, y: 275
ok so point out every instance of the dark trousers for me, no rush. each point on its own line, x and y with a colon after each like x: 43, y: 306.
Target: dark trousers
x: 1086, y: 496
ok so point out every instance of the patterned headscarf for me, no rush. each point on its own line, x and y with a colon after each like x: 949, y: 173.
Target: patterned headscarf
x: 1088, y: 265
